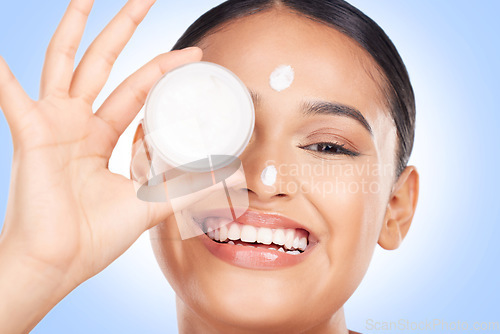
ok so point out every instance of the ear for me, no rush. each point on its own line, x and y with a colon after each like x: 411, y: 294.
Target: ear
x: 400, y: 209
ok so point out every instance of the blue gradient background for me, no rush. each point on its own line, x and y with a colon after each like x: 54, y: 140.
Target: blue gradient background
x: 448, y: 266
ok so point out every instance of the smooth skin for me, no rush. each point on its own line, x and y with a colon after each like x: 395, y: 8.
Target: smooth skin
x: 61, y: 185
x: 68, y: 217
x: 214, y: 296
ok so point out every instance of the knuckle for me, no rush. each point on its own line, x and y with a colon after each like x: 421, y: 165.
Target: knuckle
x: 107, y: 56
x: 133, y: 19
x: 139, y: 94
x: 81, y: 10
x: 66, y: 50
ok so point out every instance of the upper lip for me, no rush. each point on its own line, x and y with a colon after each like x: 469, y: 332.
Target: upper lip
x: 256, y: 218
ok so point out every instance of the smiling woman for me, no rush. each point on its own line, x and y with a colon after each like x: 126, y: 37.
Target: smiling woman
x: 350, y: 107
x: 292, y: 259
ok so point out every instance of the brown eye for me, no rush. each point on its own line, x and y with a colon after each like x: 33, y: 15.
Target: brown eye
x: 330, y: 148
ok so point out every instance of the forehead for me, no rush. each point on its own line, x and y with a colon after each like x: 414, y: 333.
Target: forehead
x: 328, y: 65
x: 319, y: 53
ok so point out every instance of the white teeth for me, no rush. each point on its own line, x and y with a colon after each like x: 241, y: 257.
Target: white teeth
x: 279, y: 237
x: 303, y: 243
x: 265, y: 236
x: 234, y: 232
x: 289, y: 236
x: 248, y: 233
x: 223, y: 233
x: 291, y: 240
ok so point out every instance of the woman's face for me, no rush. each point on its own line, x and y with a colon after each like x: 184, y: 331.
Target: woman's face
x: 338, y: 194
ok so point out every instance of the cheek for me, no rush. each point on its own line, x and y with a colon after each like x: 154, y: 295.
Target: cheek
x: 354, y: 222
x: 167, y: 247
x: 351, y: 204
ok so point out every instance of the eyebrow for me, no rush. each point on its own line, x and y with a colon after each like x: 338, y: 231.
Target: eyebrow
x: 335, y: 109
x: 255, y: 97
x: 325, y: 108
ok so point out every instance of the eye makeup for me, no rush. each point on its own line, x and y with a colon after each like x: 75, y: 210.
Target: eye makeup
x: 330, y: 148
x: 330, y: 142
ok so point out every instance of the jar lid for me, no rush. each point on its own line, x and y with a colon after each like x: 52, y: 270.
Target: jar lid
x: 198, y: 111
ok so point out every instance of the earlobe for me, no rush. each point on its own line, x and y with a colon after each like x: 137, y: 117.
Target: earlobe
x: 400, y: 209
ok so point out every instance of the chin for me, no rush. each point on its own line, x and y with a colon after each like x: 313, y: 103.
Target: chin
x: 259, y: 311
x: 259, y: 301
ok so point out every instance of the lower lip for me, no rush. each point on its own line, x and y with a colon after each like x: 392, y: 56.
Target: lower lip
x: 253, y: 258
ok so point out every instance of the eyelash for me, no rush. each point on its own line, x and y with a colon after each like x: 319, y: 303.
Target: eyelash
x: 339, y: 149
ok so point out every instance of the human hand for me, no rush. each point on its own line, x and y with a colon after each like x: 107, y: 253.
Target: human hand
x: 68, y: 216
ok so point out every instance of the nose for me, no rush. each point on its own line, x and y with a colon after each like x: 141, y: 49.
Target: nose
x: 261, y: 190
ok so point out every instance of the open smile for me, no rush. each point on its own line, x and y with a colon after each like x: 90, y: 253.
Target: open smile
x: 255, y: 240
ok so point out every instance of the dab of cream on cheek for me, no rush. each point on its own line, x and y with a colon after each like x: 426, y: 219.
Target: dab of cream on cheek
x: 268, y: 176
x: 282, y: 77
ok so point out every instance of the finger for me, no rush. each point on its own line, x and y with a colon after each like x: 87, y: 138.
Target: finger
x: 60, y: 57
x: 185, y: 190
x: 143, y: 215
x: 121, y: 107
x: 93, y: 71
x: 13, y: 100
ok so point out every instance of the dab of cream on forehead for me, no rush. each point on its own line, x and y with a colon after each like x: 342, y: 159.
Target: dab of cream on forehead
x: 281, y: 78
